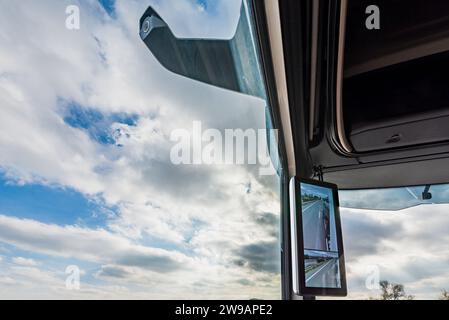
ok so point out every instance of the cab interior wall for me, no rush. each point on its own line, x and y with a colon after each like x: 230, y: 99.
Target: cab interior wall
x: 394, y: 77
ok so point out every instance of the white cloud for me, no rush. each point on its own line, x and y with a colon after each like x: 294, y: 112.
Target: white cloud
x: 126, y: 263
x: 24, y: 261
x: 83, y: 243
x: 408, y: 247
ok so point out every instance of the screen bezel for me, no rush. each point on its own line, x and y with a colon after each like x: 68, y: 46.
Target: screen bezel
x: 298, y: 241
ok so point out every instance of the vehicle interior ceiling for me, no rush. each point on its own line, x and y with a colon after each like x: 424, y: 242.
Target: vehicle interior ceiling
x: 395, y: 84
x: 388, y: 92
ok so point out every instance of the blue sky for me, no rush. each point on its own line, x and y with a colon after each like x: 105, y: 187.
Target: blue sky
x: 50, y: 204
x: 204, y: 4
x: 95, y: 123
x: 109, y: 6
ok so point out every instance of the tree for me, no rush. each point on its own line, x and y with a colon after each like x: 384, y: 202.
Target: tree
x: 393, y: 291
x: 444, y: 295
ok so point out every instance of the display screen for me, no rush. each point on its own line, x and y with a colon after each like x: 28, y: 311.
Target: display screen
x: 321, y: 249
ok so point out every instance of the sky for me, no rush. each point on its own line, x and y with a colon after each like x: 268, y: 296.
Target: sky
x: 309, y: 189
x: 86, y: 179
x: 409, y: 246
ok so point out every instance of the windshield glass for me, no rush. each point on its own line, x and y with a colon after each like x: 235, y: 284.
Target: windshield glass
x: 114, y: 180
x: 395, y: 198
x: 406, y: 248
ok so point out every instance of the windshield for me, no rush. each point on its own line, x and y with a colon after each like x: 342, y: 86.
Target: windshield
x: 386, y: 248
x: 113, y: 176
x: 395, y: 198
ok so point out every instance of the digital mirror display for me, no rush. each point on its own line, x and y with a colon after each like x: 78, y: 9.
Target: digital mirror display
x: 321, y: 250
